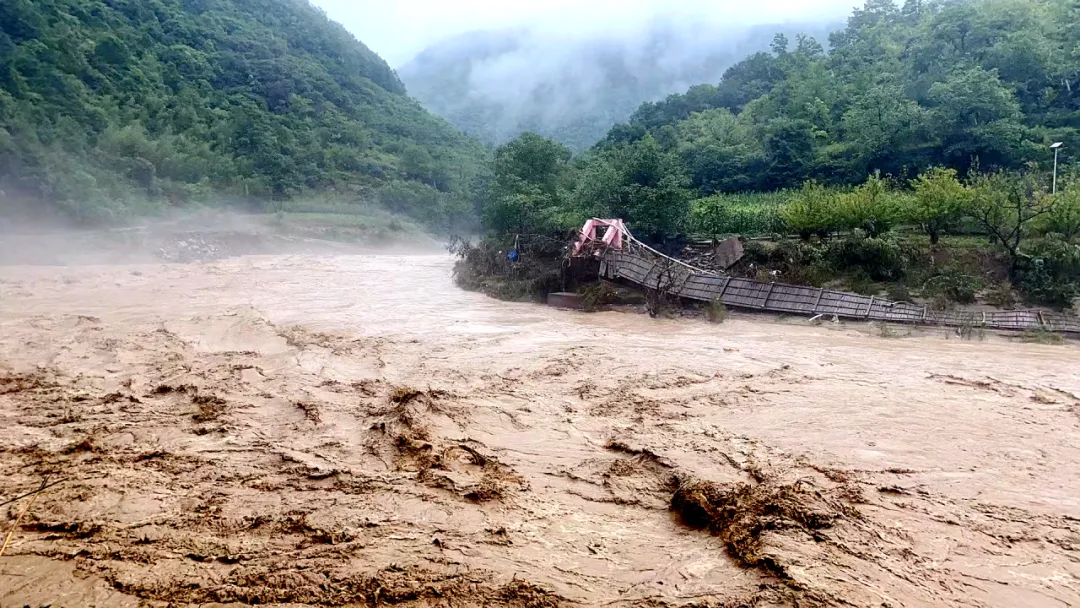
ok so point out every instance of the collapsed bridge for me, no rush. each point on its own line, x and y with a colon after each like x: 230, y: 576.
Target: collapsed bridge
x: 624, y: 257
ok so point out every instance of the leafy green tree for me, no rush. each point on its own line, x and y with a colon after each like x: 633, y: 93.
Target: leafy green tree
x: 1064, y: 218
x: 940, y: 200
x: 871, y: 207
x: 977, y: 117
x: 532, y: 183
x: 811, y: 210
x: 652, y: 194
x: 109, y: 109
x: 1008, y: 207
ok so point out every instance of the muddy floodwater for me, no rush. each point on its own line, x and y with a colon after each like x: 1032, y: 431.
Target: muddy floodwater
x: 354, y: 430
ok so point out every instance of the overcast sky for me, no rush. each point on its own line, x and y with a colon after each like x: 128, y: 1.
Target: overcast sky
x: 399, y: 29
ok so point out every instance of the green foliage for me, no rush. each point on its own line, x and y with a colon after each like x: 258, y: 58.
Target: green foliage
x: 860, y: 282
x: 939, y: 201
x: 1001, y: 296
x: 485, y: 268
x: 898, y: 292
x: 871, y: 207
x: 1007, y: 207
x: 812, y: 210
x: 113, y: 108
x: 954, y: 286
x: 715, y: 312
x: 1051, y: 275
x: 748, y: 214
x: 945, y: 84
x: 880, y: 258
x: 1064, y: 218
x: 531, y: 189
x: 650, y: 190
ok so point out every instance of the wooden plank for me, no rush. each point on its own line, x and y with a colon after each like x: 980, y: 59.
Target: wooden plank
x: 727, y: 284
x: 768, y: 294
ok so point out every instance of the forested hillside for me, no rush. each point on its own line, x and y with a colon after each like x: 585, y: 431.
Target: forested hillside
x: 904, y: 87
x: 935, y: 116
x: 949, y: 83
x: 496, y: 85
x: 110, y: 107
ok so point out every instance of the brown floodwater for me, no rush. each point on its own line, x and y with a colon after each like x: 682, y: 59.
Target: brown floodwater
x: 354, y: 430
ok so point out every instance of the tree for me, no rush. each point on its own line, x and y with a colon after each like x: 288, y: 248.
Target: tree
x: 651, y: 191
x: 811, y: 210
x: 1006, y: 206
x: 1064, y: 218
x: 114, y: 108
x: 977, y: 117
x: 789, y: 152
x: 939, y: 202
x: 871, y: 207
x: 531, y: 181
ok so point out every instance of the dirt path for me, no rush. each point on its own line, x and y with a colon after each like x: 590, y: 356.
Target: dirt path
x: 300, y: 430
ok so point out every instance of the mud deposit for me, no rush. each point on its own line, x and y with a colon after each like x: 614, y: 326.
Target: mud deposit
x: 353, y: 430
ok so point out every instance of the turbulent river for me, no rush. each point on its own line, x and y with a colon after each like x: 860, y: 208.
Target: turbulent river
x: 354, y: 430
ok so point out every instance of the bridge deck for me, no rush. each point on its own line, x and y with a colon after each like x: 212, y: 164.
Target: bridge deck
x: 653, y: 271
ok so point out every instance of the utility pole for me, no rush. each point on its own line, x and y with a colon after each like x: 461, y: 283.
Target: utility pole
x: 1057, y: 148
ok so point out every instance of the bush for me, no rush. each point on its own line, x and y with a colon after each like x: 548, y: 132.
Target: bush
x: 881, y: 259
x: 486, y: 269
x: 898, y: 292
x: 1051, y: 275
x: 1002, y: 296
x: 811, y: 211
x: 597, y: 296
x: 871, y: 208
x: 953, y: 286
x: 861, y: 283
x: 715, y: 311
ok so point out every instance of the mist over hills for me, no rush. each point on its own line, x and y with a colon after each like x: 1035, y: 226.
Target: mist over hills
x: 495, y: 85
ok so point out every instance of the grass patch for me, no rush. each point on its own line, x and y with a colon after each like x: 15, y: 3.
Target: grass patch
x: 1042, y: 336
x: 715, y: 312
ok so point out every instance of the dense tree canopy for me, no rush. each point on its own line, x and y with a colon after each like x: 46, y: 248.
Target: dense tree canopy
x: 904, y: 87
x: 109, y: 105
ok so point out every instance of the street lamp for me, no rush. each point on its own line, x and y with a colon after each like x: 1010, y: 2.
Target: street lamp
x: 1056, y: 147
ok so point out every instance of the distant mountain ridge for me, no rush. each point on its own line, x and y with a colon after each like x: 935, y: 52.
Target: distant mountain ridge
x: 494, y: 85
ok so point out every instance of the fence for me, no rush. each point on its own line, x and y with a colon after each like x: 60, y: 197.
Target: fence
x: 653, y: 271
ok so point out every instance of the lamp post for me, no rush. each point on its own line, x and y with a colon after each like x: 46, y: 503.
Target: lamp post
x: 1056, y: 147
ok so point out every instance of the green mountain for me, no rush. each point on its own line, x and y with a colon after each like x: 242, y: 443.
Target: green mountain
x: 496, y: 85
x: 951, y: 83
x: 112, y: 107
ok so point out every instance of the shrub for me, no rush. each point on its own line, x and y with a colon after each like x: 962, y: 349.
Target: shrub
x: 715, y: 311
x: 871, y: 208
x: 1051, y: 275
x: 954, y: 286
x: 861, y: 283
x: 596, y: 296
x: 881, y: 259
x: 898, y: 292
x: 1002, y: 296
x: 812, y: 210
